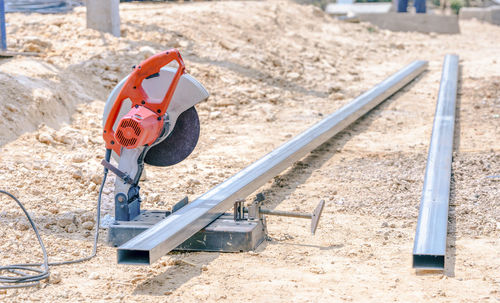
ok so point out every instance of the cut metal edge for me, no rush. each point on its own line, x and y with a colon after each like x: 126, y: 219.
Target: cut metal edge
x: 429, y: 262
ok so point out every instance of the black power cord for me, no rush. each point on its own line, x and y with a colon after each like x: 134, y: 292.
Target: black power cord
x: 30, y: 274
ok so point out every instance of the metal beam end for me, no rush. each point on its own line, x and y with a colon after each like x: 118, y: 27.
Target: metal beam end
x: 429, y: 262
x: 134, y: 257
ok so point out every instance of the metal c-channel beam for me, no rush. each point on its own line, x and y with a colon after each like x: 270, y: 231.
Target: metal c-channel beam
x: 167, y: 234
x: 430, y: 238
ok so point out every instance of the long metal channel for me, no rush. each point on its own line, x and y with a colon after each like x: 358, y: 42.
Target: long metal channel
x: 430, y: 238
x: 167, y: 234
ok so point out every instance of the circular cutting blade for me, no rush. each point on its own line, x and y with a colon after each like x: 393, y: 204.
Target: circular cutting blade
x: 179, y: 144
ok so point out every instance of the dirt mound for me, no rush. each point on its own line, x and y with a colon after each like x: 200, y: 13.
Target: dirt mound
x: 273, y: 68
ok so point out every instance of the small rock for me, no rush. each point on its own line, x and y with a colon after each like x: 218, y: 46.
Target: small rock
x: 293, y: 76
x: 35, y: 44
x: 12, y: 108
x: 192, y: 182
x: 273, y: 98
x: 385, y: 224
x: 88, y: 225
x: 78, y: 158
x: 71, y: 228
x: 228, y: 45
x: 397, y: 46
x: 87, y: 217
x: 94, y: 276
x: 334, y: 89
x: 76, y: 174
x: 270, y: 117
x: 204, y: 268
x: 111, y: 77
x: 154, y: 197
x: 23, y: 225
x: 337, y: 96
x: 91, y: 187
x: 63, y: 137
x: 53, y: 209
x: 96, y: 178
x: 147, y: 51
x: 45, y: 138
x: 49, y: 223
x: 33, y: 48
x: 55, y: 277
x: 66, y: 219
x: 317, y: 270
x: 215, y: 115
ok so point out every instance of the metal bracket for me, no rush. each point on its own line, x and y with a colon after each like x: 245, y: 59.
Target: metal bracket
x: 255, y: 211
x: 124, y: 176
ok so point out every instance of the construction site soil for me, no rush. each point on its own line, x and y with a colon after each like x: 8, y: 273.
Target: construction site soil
x: 273, y: 69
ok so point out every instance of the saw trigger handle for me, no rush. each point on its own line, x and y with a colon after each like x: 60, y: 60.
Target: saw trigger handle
x: 148, y: 69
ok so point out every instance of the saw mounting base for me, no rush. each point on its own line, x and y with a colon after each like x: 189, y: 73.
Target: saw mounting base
x: 223, y: 235
x: 241, y: 231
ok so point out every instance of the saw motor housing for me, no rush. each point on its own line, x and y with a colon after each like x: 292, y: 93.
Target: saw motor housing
x: 140, y: 126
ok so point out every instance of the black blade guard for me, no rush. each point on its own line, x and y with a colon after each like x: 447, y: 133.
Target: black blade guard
x: 179, y: 144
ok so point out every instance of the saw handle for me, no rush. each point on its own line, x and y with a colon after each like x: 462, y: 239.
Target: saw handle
x: 133, y: 90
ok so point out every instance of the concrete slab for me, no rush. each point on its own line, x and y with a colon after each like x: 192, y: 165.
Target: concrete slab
x: 357, y: 8
x: 408, y: 22
x: 104, y: 16
x: 495, y: 15
x: 486, y: 14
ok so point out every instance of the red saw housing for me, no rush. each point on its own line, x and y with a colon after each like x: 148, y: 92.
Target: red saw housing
x: 143, y: 123
x: 140, y: 126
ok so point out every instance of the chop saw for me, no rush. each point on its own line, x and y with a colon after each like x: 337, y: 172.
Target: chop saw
x: 150, y: 118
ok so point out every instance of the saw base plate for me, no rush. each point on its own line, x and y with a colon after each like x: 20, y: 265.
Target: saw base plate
x: 222, y: 235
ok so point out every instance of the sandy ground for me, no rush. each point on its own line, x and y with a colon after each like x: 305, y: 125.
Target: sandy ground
x: 272, y: 69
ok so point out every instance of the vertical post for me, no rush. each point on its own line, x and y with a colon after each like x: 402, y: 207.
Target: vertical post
x: 430, y: 238
x: 420, y: 7
x: 3, y: 34
x: 104, y: 16
x: 394, y: 6
x: 402, y: 6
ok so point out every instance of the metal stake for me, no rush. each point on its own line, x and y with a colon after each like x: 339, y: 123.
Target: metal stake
x: 430, y: 237
x: 178, y: 227
x: 314, y: 216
